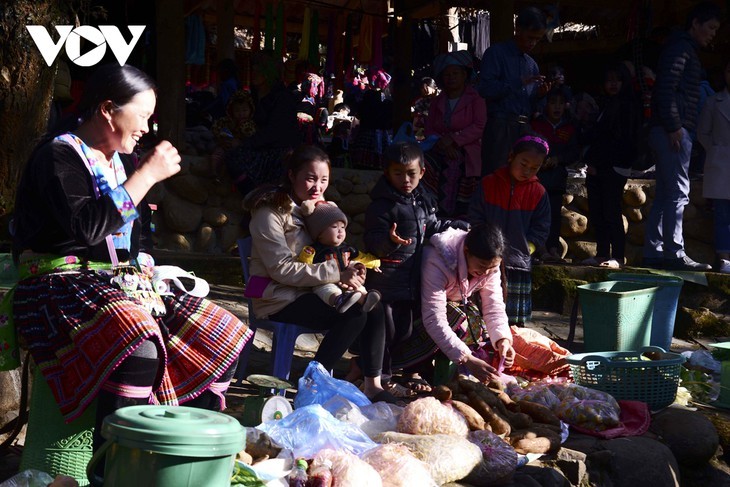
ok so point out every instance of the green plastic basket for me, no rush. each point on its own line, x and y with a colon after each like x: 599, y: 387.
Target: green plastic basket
x: 52, y: 445
x: 617, y: 315
x: 626, y: 376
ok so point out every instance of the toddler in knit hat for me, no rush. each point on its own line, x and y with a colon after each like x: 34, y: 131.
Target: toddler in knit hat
x: 326, y: 224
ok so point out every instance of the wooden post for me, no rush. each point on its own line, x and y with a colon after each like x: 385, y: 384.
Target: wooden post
x: 224, y: 20
x: 502, y: 20
x: 171, y: 71
x: 402, y: 66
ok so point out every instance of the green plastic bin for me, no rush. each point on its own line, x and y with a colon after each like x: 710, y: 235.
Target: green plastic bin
x: 665, y: 306
x: 617, y: 315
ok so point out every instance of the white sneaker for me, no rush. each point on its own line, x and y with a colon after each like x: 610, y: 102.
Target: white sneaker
x: 724, y: 266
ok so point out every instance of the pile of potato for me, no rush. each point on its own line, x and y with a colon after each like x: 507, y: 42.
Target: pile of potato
x: 527, y: 426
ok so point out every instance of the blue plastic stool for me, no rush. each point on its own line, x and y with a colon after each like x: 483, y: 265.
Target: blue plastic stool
x: 285, y: 334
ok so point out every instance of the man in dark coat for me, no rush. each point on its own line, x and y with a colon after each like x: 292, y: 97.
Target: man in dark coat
x: 674, y: 110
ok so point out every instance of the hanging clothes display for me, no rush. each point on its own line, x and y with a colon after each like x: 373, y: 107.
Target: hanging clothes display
x: 474, y: 30
x: 329, y: 64
x: 425, y: 45
x: 378, y: 28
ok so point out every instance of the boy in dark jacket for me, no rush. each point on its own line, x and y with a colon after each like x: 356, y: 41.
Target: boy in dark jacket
x: 400, y: 217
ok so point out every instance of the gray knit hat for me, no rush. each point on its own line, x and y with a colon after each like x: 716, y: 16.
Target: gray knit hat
x: 319, y: 215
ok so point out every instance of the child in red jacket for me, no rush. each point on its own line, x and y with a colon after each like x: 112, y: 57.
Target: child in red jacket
x: 513, y: 199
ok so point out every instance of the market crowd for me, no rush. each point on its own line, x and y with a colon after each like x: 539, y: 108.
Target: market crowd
x: 469, y: 199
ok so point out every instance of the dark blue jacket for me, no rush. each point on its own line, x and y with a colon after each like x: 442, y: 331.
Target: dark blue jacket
x: 415, y: 216
x: 676, y: 93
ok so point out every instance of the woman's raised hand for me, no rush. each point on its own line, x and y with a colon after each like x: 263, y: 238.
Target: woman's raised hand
x: 161, y: 162
x: 504, y: 349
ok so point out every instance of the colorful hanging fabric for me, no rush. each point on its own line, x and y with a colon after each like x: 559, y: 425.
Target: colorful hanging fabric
x: 314, y: 41
x: 280, y: 29
x: 256, y: 45
x: 365, y: 46
x: 269, y: 28
x: 306, y: 26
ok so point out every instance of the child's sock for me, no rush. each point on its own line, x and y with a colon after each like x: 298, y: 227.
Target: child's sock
x: 370, y: 300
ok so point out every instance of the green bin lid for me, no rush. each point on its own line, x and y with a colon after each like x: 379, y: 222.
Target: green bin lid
x: 175, y: 430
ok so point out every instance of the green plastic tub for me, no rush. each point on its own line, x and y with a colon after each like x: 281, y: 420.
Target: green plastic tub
x: 617, y: 315
x: 167, y: 446
x: 665, y: 306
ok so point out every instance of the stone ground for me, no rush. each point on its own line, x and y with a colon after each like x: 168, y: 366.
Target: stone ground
x: 552, y: 324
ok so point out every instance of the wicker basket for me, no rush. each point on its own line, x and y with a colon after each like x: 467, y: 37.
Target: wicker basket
x: 626, y: 376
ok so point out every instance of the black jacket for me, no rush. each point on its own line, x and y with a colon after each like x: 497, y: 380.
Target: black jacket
x: 676, y: 92
x: 415, y: 216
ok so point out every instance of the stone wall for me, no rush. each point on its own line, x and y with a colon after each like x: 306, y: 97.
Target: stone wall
x: 578, y: 238
x: 201, y: 212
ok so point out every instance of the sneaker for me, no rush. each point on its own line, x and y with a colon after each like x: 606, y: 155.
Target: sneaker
x: 345, y: 301
x: 724, y: 266
x: 685, y: 264
x: 371, y: 299
x: 653, y: 262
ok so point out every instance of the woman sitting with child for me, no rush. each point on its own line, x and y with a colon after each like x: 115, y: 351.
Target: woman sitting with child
x: 281, y: 286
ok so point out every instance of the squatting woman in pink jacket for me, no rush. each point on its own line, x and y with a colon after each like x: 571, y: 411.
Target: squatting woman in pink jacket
x: 457, y: 266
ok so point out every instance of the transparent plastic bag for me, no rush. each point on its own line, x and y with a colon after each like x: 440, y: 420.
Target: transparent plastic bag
x: 537, y: 392
x: 28, y: 478
x: 312, y: 428
x: 371, y: 419
x: 347, y: 469
x: 317, y: 386
x: 499, y: 459
x: 398, y: 467
x: 428, y: 416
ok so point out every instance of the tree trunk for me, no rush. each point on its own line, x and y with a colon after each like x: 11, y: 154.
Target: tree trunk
x: 26, y: 89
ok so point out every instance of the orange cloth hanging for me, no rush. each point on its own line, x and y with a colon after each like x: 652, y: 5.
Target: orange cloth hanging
x: 365, y: 47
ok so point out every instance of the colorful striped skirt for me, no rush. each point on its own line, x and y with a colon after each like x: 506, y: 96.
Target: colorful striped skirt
x: 78, y: 329
x: 468, y: 326
x: 445, y: 178
x: 519, y: 295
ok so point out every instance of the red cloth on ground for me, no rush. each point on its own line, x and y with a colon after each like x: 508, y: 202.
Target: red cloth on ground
x: 634, y: 418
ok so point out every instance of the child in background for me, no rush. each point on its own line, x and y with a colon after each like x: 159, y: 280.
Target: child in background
x: 400, y: 217
x: 326, y: 224
x: 513, y: 199
x: 555, y: 126
x: 610, y: 155
x: 233, y: 128
x: 429, y: 91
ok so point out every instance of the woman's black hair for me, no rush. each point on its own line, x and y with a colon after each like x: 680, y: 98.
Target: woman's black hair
x: 277, y: 196
x: 112, y: 82
x: 531, y: 18
x: 485, y: 241
x: 403, y: 153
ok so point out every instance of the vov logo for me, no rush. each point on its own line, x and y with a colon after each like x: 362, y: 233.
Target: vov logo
x: 71, y: 37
